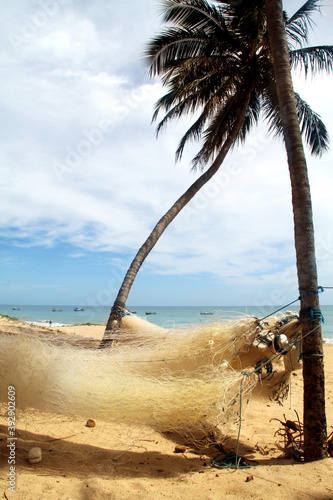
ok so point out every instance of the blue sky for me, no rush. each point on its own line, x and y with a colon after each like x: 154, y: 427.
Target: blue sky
x: 83, y: 178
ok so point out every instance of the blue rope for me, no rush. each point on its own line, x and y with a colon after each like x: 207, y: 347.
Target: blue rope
x: 309, y: 355
x: 320, y: 289
x: 312, y: 313
x: 231, y: 460
x: 119, y: 308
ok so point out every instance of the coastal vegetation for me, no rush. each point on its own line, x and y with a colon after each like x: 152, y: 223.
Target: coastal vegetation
x: 12, y: 318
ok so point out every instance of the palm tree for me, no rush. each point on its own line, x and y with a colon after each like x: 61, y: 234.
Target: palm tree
x: 216, y: 60
x: 315, y: 430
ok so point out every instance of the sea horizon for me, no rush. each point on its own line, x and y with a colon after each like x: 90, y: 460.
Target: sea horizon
x: 165, y: 316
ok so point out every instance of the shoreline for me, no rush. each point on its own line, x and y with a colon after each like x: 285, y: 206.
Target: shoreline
x: 87, y: 330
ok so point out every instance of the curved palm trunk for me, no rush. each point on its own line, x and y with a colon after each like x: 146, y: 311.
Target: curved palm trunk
x: 315, y: 433
x: 118, y: 308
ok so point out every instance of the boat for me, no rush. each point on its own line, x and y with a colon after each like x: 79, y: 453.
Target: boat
x: 55, y: 309
x: 78, y: 309
x: 148, y: 312
x: 206, y: 313
x: 16, y: 308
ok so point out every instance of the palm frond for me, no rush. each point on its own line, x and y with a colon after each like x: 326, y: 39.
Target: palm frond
x: 165, y: 102
x: 314, y: 58
x: 176, y: 111
x: 197, y: 82
x: 297, y: 26
x: 248, y: 19
x: 219, y: 128
x: 312, y: 127
x: 193, y: 14
x: 194, y: 132
x: 251, y: 118
x: 178, y: 102
x: 174, y: 44
x: 221, y: 97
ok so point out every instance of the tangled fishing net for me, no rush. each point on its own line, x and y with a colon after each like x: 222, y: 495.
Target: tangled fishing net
x: 170, y: 379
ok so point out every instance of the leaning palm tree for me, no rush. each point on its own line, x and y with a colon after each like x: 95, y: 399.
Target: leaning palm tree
x: 215, y: 60
x: 315, y: 430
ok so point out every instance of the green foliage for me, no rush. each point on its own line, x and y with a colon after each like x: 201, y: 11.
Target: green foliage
x: 9, y: 317
x: 211, y: 54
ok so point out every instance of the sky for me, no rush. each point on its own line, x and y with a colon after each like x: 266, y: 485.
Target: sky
x: 84, y: 179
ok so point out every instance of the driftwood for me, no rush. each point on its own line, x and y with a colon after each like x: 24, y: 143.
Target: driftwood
x: 291, y: 438
x: 291, y: 441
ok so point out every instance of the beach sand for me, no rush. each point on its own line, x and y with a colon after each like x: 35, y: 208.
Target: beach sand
x: 117, y: 461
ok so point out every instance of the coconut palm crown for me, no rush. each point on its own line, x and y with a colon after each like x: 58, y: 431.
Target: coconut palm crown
x: 212, y: 54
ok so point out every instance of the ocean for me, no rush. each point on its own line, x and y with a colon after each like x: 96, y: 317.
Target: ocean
x: 167, y: 316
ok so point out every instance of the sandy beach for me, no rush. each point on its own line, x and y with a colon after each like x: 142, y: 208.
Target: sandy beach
x: 123, y: 461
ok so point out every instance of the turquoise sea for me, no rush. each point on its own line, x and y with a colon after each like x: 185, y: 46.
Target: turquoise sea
x: 167, y: 316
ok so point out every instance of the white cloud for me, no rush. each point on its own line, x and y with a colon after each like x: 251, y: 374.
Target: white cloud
x: 81, y: 163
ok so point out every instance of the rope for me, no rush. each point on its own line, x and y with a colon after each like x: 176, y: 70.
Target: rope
x: 240, y: 420
x: 311, y: 355
x: 280, y: 309
x: 313, y: 313
x: 231, y: 460
x: 119, y: 308
x: 320, y: 289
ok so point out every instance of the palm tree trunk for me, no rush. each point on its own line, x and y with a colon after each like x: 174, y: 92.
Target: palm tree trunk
x: 118, y: 308
x: 315, y: 431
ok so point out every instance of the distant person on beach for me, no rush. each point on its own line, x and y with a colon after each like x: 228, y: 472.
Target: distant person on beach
x: 50, y: 323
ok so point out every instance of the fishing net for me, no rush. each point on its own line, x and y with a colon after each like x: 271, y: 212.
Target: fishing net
x: 167, y: 379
